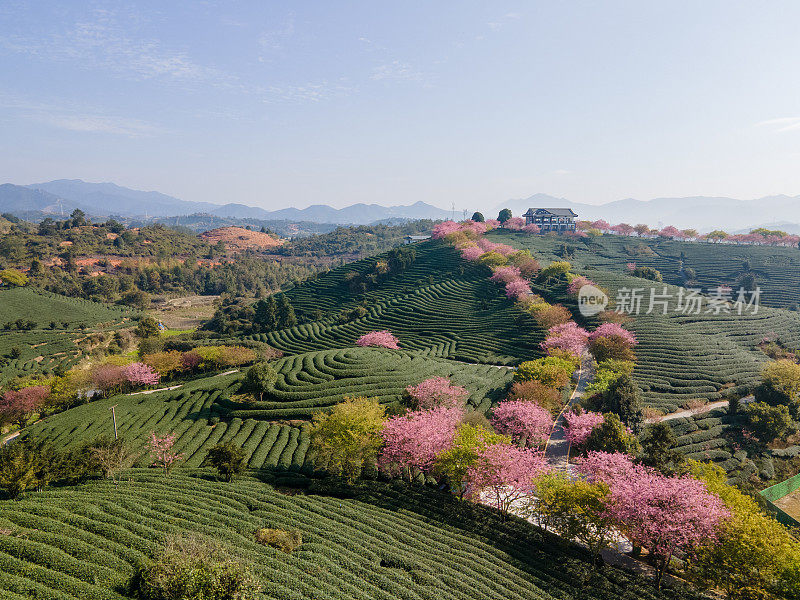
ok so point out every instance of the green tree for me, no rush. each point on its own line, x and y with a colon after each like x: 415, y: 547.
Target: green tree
x: 478, y: 217
x: 13, y: 277
x: 147, y: 328
x: 612, y: 436
x: 754, y: 557
x: 348, y: 436
x: 266, y: 315
x: 623, y: 398
x: 575, y: 509
x: 504, y: 215
x: 658, y: 448
x: 18, y: 465
x: 470, y: 440
x: 285, y: 313
x: 259, y: 379
x: 770, y: 422
x: 78, y: 218
x: 227, y: 458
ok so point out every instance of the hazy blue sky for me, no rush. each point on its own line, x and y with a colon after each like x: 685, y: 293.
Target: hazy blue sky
x: 294, y: 103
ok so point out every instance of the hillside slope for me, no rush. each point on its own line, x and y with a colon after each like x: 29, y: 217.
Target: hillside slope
x: 379, y: 541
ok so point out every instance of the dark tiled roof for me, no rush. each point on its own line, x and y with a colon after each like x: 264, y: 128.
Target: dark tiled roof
x: 559, y: 212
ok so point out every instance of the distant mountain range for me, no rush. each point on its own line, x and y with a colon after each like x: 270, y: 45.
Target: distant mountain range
x: 699, y: 212
x: 108, y: 199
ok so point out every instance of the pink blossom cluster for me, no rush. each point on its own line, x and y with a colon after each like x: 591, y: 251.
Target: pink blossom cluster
x: 602, y: 225
x: 17, y: 405
x: 577, y: 283
x: 504, y: 474
x: 514, y: 224
x: 505, y: 274
x: 523, y: 420
x: 581, y: 425
x: 381, y: 339
x: 139, y: 373
x: 488, y: 246
x: 660, y: 513
x: 161, y: 448
x: 492, y: 223
x: 607, y: 330
x: 631, y: 266
x: 532, y: 228
x: 417, y: 438
x: 436, y: 391
x: 444, y: 229
x: 518, y: 289
x: 568, y: 337
x: 471, y: 253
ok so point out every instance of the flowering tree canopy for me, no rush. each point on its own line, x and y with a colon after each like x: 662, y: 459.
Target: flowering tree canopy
x: 514, y: 224
x: 16, y: 406
x: 518, y: 289
x: 443, y: 229
x: 471, y: 253
x: 580, y: 426
x: 523, y: 421
x: 607, y: 330
x: 506, y: 274
x: 139, y: 373
x: 532, y: 228
x: 504, y: 474
x: 415, y: 440
x: 382, y: 339
x: 578, y: 282
x: 161, y: 448
x: 662, y: 514
x: 568, y: 337
x: 436, y: 391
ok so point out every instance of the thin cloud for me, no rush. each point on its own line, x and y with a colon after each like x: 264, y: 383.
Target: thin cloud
x: 781, y: 124
x: 395, y: 70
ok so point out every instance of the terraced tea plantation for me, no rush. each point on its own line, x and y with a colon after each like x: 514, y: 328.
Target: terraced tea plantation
x: 440, y: 305
x: 53, y: 326
x: 776, y: 269
x: 274, y: 433
x: 389, y: 541
x: 309, y: 383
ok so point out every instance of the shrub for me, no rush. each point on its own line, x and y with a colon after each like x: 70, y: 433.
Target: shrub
x: 770, y: 422
x: 227, y: 458
x: 612, y: 436
x: 280, y: 539
x: 535, y: 391
x: 194, y: 568
x: 552, y: 371
x: 551, y: 315
x: 647, y: 273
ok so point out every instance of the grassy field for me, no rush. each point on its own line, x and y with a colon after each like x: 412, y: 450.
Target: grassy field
x: 440, y: 305
x: 382, y: 542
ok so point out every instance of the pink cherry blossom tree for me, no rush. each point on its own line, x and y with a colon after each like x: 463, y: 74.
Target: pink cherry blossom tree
x: 471, y: 253
x: 503, y: 475
x: 108, y: 378
x: 436, y: 391
x: 532, y: 228
x: 607, y: 330
x: 670, y: 232
x: 415, y: 439
x: 492, y: 223
x: 660, y: 513
x: 139, y: 373
x: 580, y: 426
x: 522, y: 420
x: 568, y: 337
x: 518, y: 289
x: 381, y: 339
x: 577, y: 283
x: 444, y: 229
x: 514, y: 224
x: 505, y: 274
x: 17, y: 406
x: 161, y: 448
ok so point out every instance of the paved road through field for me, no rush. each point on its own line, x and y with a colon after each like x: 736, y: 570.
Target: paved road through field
x: 557, y: 449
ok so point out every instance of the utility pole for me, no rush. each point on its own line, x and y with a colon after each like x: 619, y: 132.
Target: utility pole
x: 114, y: 417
